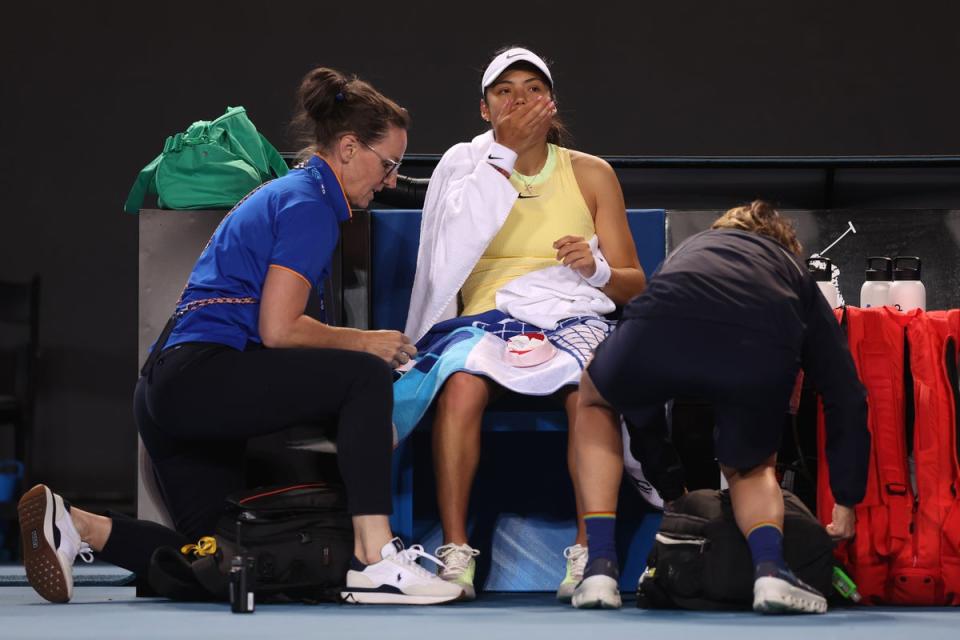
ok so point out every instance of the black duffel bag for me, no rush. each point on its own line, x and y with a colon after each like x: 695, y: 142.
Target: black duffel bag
x: 700, y: 559
x: 297, y: 541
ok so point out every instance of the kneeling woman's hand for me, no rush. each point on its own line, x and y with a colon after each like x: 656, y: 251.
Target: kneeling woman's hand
x: 283, y: 324
x: 391, y: 346
x: 844, y: 523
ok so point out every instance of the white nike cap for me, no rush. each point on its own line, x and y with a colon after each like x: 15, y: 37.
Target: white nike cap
x: 511, y: 57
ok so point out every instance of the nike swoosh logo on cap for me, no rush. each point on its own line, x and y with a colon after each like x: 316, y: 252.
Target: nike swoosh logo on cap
x: 513, y: 55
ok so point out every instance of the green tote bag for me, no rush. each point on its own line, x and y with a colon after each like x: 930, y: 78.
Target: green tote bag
x: 212, y: 165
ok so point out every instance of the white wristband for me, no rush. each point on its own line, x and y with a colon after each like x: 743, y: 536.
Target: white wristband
x: 501, y: 157
x: 601, y: 276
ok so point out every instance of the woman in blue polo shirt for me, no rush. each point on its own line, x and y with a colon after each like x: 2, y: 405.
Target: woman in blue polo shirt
x: 239, y: 359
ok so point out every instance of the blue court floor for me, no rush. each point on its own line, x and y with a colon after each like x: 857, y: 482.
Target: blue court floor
x: 114, y: 612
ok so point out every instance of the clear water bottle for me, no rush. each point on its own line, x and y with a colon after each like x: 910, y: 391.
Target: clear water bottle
x: 875, y: 291
x: 907, y: 291
x: 822, y: 271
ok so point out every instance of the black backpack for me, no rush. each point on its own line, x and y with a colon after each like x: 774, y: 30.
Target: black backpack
x: 298, y: 540
x: 700, y: 559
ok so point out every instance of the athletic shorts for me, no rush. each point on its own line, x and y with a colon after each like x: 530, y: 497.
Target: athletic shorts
x: 748, y: 379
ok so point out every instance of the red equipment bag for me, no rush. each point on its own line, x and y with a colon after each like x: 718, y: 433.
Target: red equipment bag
x: 907, y: 544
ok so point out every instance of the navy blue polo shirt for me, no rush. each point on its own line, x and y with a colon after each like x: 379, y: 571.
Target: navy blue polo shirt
x: 291, y: 223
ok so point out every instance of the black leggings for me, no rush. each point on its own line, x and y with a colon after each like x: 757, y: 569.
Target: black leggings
x: 200, y: 403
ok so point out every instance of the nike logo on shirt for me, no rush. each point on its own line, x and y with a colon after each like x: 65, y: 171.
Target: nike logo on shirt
x: 520, y: 195
x: 494, y: 158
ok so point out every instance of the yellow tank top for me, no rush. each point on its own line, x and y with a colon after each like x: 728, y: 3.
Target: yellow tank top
x: 550, y: 206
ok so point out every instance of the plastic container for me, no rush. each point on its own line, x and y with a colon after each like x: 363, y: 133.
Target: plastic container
x: 907, y: 291
x: 822, y: 271
x: 875, y: 291
x: 528, y: 350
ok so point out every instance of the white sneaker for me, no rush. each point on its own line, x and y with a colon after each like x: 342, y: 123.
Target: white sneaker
x: 398, y: 579
x: 576, y: 562
x: 459, y: 567
x: 600, y: 588
x: 51, y: 543
x: 785, y: 593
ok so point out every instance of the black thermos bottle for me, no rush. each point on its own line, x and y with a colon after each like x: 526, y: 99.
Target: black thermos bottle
x: 241, y: 579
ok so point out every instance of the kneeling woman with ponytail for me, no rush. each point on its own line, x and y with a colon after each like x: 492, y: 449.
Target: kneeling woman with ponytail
x: 241, y: 359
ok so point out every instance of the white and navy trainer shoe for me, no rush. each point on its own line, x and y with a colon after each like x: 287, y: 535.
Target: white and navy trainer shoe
x: 599, y: 588
x: 51, y: 543
x: 398, y: 579
x: 783, y: 592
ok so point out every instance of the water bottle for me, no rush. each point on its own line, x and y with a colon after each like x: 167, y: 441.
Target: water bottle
x: 242, y: 571
x: 242, y: 598
x: 907, y: 292
x: 822, y: 271
x: 875, y: 291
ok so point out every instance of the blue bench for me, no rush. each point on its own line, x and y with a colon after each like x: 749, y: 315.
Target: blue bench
x: 517, y: 541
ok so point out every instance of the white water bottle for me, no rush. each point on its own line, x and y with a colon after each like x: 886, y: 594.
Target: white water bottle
x: 822, y: 271
x: 875, y: 291
x: 907, y: 292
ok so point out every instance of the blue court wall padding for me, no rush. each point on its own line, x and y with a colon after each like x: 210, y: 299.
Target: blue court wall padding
x: 648, y: 227
x: 394, y: 239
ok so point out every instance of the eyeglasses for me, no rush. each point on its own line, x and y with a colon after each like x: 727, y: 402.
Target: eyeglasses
x: 390, y: 166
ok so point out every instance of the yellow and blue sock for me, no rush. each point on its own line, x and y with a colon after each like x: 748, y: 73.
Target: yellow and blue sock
x: 601, y: 527
x: 766, y: 546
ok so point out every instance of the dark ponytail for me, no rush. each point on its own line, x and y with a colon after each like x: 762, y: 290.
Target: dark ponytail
x: 329, y: 105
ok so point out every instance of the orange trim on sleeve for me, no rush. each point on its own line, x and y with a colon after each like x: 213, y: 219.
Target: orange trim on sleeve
x: 296, y: 273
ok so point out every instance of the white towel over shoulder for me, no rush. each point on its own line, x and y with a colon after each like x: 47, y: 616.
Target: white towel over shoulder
x: 467, y: 203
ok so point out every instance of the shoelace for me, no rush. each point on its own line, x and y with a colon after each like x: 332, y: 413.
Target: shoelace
x: 85, y: 552
x: 456, y: 557
x: 410, y: 556
x: 789, y: 576
x: 577, y: 555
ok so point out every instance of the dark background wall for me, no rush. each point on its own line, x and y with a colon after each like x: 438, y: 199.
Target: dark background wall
x: 90, y: 90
